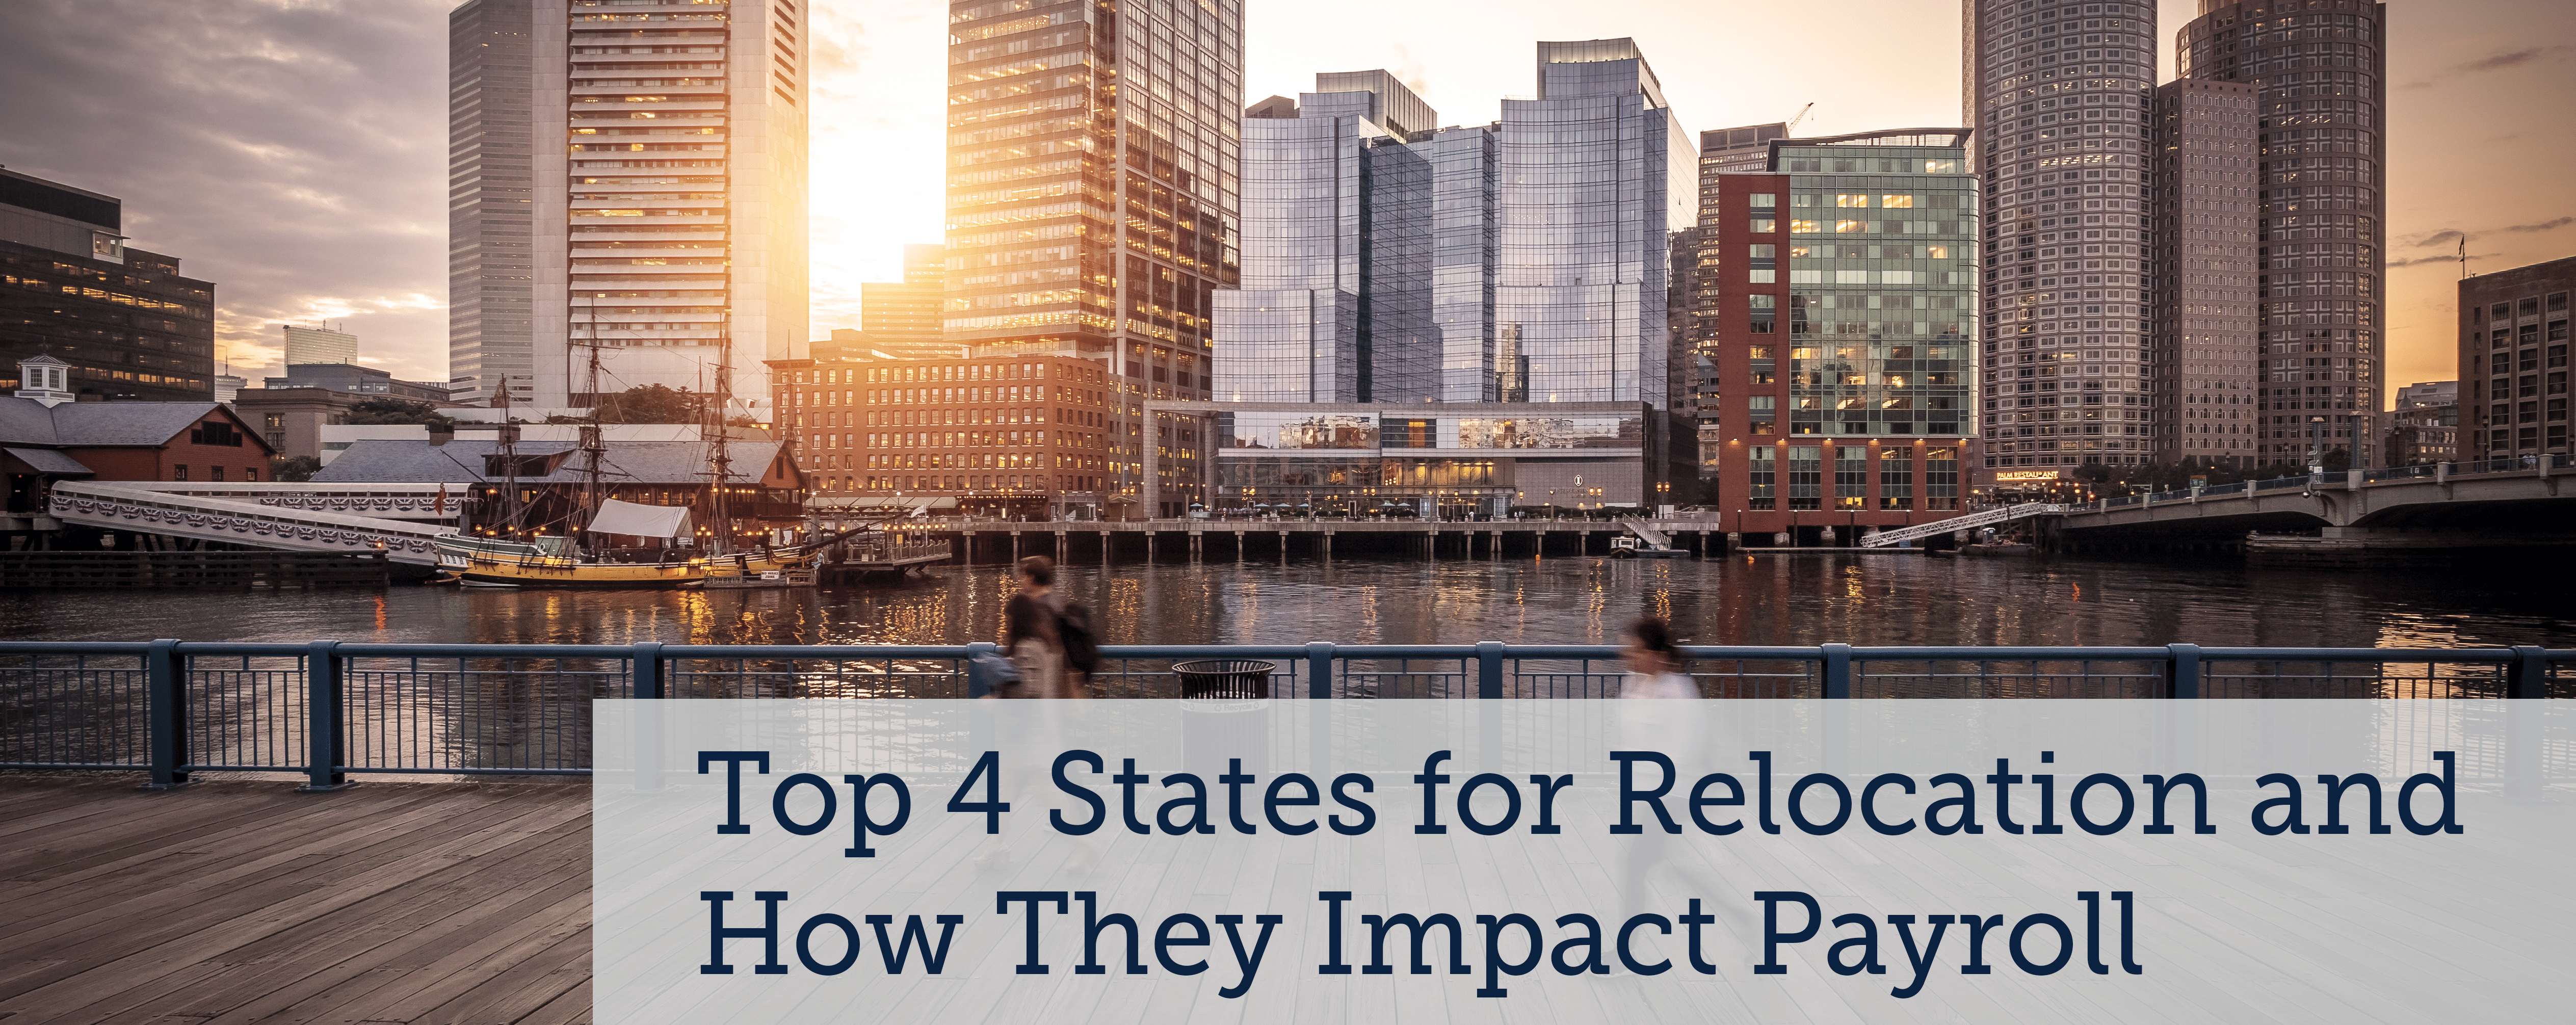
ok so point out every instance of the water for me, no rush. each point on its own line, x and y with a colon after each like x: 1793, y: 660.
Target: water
x: 1802, y: 599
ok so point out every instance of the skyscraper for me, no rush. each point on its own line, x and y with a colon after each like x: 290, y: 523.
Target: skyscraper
x: 2206, y: 363
x: 671, y: 220
x: 1382, y: 263
x: 2058, y: 95
x: 317, y: 346
x: 899, y: 318
x: 1092, y: 192
x: 2320, y: 68
x: 1581, y: 269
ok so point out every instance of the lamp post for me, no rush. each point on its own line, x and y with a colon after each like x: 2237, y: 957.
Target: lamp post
x: 2316, y: 446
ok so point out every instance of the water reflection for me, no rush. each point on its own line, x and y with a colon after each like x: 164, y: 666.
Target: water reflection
x: 1807, y: 599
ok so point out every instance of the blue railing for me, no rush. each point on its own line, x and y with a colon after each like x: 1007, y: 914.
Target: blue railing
x: 327, y: 709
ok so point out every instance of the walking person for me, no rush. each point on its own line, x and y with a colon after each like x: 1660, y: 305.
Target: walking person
x: 1654, y: 663
x: 1048, y: 639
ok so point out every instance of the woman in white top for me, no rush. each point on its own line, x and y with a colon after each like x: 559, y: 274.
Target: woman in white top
x: 1654, y: 663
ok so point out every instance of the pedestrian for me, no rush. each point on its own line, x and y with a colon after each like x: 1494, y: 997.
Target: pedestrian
x: 1029, y: 634
x: 1654, y: 663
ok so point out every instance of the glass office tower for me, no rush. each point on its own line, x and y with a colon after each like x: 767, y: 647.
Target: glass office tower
x: 1594, y: 176
x: 1092, y: 190
x: 1524, y: 261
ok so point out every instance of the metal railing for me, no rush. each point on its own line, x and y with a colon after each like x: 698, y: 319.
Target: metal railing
x: 327, y: 709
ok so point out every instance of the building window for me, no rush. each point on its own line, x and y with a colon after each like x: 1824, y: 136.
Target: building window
x: 1896, y: 479
x: 179, y: 472
x: 1851, y: 476
x: 1806, y: 477
x: 1759, y: 495
x: 214, y: 473
x: 1941, y: 479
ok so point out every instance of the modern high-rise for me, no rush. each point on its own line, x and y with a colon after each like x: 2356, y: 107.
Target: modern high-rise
x: 2320, y: 71
x: 2205, y: 359
x: 1839, y: 301
x: 122, y: 321
x: 627, y: 181
x: 2512, y: 392
x: 2058, y: 94
x: 900, y: 319
x: 1524, y: 261
x: 314, y: 346
x: 1461, y: 317
x: 1092, y: 150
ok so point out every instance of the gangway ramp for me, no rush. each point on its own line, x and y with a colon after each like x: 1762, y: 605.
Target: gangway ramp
x: 383, y: 500
x: 1981, y: 518
x: 118, y: 505
x: 1647, y: 534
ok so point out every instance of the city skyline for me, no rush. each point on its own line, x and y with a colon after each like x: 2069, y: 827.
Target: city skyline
x: 336, y: 212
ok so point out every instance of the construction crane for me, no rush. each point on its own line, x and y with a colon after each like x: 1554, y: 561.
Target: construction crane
x: 1793, y: 122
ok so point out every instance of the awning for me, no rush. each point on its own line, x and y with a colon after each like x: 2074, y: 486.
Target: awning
x: 48, y: 462
x: 635, y: 520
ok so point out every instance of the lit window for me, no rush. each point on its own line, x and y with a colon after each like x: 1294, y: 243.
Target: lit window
x: 1896, y: 201
x: 1765, y: 225
x: 1847, y: 199
x: 1806, y: 227
x: 1847, y: 227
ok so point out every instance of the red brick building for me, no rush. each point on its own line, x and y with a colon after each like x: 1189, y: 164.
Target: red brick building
x: 45, y: 435
x: 998, y: 435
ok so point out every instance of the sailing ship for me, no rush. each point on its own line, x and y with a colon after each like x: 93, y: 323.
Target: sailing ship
x: 573, y: 559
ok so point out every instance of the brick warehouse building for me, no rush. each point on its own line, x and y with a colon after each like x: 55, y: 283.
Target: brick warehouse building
x: 998, y: 435
x: 1838, y: 313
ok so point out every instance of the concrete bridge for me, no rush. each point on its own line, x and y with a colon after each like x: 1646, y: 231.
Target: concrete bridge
x: 2496, y: 503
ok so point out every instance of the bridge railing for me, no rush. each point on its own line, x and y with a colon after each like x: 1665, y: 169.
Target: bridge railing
x: 326, y: 709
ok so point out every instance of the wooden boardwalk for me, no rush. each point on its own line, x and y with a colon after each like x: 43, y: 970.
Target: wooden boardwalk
x: 239, y: 901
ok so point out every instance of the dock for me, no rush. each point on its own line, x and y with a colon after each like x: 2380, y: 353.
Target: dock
x: 244, y: 901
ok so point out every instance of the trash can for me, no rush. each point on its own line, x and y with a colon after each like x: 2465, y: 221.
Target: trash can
x: 1224, y: 678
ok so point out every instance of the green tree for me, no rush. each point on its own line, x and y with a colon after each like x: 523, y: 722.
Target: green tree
x: 293, y: 469
x: 394, y: 411
x: 650, y: 404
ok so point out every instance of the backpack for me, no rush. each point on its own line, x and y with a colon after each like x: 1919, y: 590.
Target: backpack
x: 1073, y: 630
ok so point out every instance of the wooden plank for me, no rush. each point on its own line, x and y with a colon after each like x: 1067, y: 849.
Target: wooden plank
x: 464, y: 901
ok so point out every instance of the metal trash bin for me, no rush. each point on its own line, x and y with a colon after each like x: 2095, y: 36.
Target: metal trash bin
x: 1224, y: 678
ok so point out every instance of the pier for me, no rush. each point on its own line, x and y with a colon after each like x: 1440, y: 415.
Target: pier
x: 1092, y: 541
x: 239, y: 901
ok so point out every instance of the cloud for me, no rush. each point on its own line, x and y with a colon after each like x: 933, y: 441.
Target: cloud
x: 293, y: 152
x: 2493, y: 62
x: 2439, y: 238
x: 2551, y: 225
x: 2421, y: 260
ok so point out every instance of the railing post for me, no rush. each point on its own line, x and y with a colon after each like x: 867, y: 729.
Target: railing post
x: 1489, y: 669
x: 647, y: 670
x: 2182, y: 672
x: 978, y: 682
x: 2530, y: 672
x: 166, y: 702
x: 322, y: 718
x: 1319, y: 669
x: 1837, y: 658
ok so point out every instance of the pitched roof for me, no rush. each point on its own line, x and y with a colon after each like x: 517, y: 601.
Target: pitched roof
x: 78, y: 424
x: 411, y: 461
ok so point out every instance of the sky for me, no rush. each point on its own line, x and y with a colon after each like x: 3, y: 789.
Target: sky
x: 294, y: 151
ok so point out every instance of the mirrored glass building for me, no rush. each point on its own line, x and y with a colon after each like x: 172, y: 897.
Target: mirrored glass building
x: 1525, y: 262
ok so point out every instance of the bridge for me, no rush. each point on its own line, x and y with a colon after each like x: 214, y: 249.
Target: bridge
x: 149, y: 508
x: 1972, y: 521
x: 2490, y: 503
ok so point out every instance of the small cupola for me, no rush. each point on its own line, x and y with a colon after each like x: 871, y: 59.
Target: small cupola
x: 45, y: 380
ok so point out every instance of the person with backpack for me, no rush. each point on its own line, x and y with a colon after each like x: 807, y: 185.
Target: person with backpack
x: 1047, y: 636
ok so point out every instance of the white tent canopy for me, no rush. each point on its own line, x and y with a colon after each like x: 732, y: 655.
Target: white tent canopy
x: 635, y: 520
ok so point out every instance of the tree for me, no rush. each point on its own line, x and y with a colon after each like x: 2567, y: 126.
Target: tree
x: 395, y: 411
x: 293, y: 469
x: 650, y: 404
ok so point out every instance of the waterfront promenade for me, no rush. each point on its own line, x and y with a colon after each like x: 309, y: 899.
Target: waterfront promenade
x: 241, y: 901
